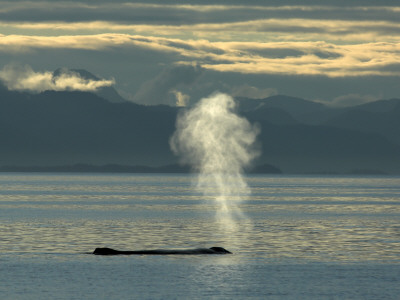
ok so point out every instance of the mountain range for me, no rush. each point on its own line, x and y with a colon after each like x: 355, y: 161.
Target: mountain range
x: 56, y: 128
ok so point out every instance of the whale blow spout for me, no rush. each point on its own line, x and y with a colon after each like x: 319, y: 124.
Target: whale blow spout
x: 212, y: 250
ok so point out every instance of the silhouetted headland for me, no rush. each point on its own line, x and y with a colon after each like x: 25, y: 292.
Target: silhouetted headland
x: 115, y: 168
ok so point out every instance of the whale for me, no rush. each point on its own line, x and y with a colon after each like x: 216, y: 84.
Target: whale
x: 196, y: 251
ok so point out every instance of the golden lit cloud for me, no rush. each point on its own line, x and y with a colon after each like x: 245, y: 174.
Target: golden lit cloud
x: 307, y: 58
x: 262, y: 29
x: 319, y: 39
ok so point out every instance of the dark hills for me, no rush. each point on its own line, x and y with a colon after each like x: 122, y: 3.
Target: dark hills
x: 303, y: 136
x: 381, y: 117
x: 54, y: 128
x: 297, y: 136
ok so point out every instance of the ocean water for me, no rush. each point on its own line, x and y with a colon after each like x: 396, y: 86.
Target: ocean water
x: 300, y: 237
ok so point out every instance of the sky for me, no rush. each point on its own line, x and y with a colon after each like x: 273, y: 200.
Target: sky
x: 175, y: 52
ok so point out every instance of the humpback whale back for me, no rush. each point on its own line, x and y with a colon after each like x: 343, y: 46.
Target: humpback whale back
x: 212, y: 250
x: 220, y: 250
x: 105, y: 251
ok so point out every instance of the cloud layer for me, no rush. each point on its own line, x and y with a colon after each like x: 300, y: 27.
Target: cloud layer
x: 24, y: 78
x: 328, y: 39
x: 300, y: 58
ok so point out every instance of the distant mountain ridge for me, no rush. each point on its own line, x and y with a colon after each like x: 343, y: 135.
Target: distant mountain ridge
x: 292, y: 105
x: 381, y: 117
x: 297, y: 136
x: 359, y: 137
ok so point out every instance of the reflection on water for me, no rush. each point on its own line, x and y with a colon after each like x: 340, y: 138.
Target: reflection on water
x: 300, y: 218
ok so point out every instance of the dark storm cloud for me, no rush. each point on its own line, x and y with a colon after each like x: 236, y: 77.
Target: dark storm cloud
x: 290, y: 52
x: 344, y: 3
x: 171, y: 13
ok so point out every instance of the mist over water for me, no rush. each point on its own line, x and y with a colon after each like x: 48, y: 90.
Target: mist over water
x: 218, y: 144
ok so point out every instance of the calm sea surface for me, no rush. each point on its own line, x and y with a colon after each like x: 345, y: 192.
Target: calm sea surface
x: 300, y: 237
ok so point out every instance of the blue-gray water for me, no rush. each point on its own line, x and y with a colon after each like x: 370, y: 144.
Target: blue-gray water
x: 304, y: 238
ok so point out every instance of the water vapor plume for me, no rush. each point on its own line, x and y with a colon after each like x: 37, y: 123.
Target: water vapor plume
x: 218, y: 144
